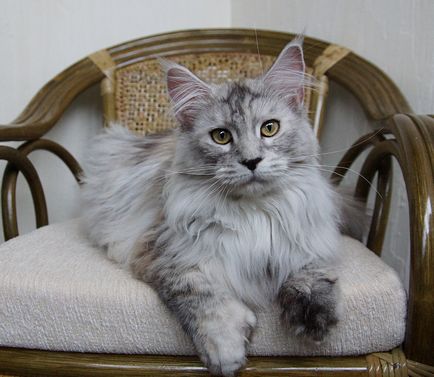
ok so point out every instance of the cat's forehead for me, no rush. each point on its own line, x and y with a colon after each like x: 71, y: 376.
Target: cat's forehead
x: 243, y: 101
x: 238, y: 91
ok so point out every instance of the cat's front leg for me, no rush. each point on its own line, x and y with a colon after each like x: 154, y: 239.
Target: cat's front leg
x: 310, y: 301
x: 218, y: 324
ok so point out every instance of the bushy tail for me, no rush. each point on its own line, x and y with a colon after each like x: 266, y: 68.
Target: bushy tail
x: 353, y: 218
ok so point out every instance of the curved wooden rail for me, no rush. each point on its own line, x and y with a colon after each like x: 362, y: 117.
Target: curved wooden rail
x: 9, y: 213
x: 49, y: 363
x: 415, y: 137
x: 370, y: 167
x: 383, y: 197
x: 411, y: 142
x: 9, y: 183
x: 34, y: 362
x: 354, y: 151
x: 378, y: 95
x: 48, y: 105
x: 57, y: 150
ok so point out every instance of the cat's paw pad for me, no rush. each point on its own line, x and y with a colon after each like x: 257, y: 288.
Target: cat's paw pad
x: 223, y: 346
x: 312, y: 310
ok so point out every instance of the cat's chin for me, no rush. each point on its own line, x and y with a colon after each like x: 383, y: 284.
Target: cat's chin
x: 255, y: 186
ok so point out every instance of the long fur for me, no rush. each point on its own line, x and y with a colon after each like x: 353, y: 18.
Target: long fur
x: 121, y: 192
x: 214, y: 238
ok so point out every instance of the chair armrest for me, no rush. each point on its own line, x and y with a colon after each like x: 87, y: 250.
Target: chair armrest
x: 47, y: 106
x: 415, y: 153
x: 39, y: 116
x: 408, y: 138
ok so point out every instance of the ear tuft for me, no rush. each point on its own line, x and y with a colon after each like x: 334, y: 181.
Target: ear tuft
x: 186, y: 91
x: 287, y: 75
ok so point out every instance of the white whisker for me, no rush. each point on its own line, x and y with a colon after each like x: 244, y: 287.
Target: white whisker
x: 324, y: 169
x: 340, y: 150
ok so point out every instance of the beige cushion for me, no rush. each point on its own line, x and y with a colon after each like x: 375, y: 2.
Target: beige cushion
x: 59, y: 293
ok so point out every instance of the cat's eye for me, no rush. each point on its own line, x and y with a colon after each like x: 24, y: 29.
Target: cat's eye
x: 221, y: 136
x: 270, y: 128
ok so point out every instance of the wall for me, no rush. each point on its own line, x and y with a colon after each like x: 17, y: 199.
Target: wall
x: 40, y: 38
x: 397, y: 36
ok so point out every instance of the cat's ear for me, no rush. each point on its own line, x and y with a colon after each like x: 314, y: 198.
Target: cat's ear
x: 186, y: 91
x: 287, y: 74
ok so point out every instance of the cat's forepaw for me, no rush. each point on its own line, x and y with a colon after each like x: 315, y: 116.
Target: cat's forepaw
x: 311, y: 310
x: 223, y: 339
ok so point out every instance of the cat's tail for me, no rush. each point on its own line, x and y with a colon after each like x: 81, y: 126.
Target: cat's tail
x: 353, y: 218
x: 121, y: 187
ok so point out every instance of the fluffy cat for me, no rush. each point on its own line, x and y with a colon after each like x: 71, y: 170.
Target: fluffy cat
x: 226, y: 213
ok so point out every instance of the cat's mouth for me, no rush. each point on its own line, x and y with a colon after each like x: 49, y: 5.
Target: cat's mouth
x: 255, y: 178
x: 253, y: 182
x: 252, y: 179
x: 253, y: 185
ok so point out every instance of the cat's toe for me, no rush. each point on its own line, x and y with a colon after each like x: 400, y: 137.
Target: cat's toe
x: 228, y: 369
x: 226, y: 362
x: 249, y: 325
x: 222, y: 344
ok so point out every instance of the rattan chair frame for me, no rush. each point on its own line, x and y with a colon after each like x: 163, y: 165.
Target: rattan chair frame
x: 404, y: 136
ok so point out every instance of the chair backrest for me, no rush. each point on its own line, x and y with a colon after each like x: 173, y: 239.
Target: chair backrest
x: 134, y: 89
x: 378, y: 95
x: 141, y: 100
x: 136, y: 95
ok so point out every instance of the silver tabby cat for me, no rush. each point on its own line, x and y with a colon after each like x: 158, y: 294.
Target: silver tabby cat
x: 225, y: 214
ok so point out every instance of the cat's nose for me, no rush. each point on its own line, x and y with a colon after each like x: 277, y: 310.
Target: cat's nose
x: 251, y: 164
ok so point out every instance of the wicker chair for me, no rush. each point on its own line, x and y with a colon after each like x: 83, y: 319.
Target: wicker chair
x: 133, y: 93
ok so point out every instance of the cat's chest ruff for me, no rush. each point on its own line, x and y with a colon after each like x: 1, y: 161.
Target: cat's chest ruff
x: 245, y: 228
x: 250, y: 252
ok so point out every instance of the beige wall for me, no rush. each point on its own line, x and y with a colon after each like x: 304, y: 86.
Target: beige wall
x: 39, y: 38
x: 396, y: 35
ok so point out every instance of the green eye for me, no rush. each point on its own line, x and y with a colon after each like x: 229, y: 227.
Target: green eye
x: 221, y: 136
x: 270, y: 128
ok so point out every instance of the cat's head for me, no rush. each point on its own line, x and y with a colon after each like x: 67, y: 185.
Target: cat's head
x: 247, y: 137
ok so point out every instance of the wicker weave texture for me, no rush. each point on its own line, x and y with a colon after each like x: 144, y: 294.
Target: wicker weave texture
x: 141, y: 98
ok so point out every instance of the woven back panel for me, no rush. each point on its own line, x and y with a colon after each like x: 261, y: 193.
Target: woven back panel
x: 141, y: 98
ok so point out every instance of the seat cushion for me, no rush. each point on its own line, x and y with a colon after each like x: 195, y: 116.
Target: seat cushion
x: 57, y: 292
